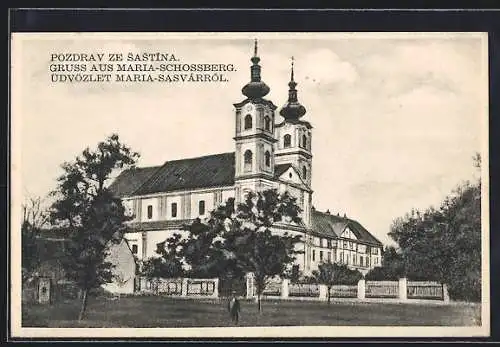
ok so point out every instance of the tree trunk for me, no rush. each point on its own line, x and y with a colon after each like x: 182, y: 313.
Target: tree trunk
x: 84, y: 305
x: 329, y: 295
x: 259, y: 303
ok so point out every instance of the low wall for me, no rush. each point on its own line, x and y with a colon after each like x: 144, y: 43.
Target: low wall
x: 401, y: 290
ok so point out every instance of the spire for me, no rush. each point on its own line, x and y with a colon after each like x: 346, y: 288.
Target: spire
x: 292, y: 110
x: 255, y: 89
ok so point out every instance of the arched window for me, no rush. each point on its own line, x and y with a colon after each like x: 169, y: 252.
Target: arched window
x: 248, y: 122
x: 304, y: 173
x: 287, y: 140
x: 248, y: 157
x: 267, y: 123
x: 304, y: 141
x: 267, y: 157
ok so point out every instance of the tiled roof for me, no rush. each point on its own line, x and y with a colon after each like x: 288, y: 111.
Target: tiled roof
x: 201, y: 172
x: 329, y: 225
x: 129, y: 180
x: 208, y: 171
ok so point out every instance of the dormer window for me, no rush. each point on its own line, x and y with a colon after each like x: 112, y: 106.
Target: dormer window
x: 267, y: 157
x: 150, y: 211
x: 287, y: 141
x: 304, y: 173
x: 248, y: 122
x: 304, y: 141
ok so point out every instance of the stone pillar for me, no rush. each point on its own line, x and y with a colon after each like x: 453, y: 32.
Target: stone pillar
x: 323, y: 292
x: 216, y: 288
x: 184, y: 288
x: 361, y: 288
x: 403, y: 289
x: 250, y: 285
x: 284, y: 288
x: 446, y: 294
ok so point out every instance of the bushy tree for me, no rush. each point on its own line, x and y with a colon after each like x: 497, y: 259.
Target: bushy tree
x: 331, y: 274
x: 391, y: 269
x: 93, y: 215
x: 445, y: 244
x: 237, y: 239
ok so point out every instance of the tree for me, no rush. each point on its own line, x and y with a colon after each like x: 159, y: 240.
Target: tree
x: 327, y: 275
x: 238, y: 240
x: 35, y: 217
x: 445, y: 244
x: 93, y: 216
x: 330, y: 274
x: 392, y: 267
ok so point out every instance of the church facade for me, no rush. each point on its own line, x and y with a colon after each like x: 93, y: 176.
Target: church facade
x: 270, y: 153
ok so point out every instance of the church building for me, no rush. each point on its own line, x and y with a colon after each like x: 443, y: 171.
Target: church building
x: 273, y: 150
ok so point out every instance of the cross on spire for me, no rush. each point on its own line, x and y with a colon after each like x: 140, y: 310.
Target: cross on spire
x: 292, y: 70
x: 255, y: 48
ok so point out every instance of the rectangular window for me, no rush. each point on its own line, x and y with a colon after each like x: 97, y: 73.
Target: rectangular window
x: 329, y: 243
x: 174, y: 209
x: 201, y: 207
x: 330, y: 256
x: 376, y: 261
x: 150, y: 211
x: 320, y: 255
x: 314, y: 255
x: 134, y: 249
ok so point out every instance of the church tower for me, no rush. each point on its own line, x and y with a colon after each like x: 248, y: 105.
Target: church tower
x: 294, y: 135
x: 254, y: 135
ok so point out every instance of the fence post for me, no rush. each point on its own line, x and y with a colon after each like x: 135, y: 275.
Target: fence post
x: 446, y: 294
x: 323, y: 292
x: 216, y: 288
x: 284, y: 288
x: 184, y: 287
x: 361, y: 289
x: 250, y: 285
x: 403, y: 289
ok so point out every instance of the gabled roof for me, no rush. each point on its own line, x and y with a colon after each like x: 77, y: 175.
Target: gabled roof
x: 329, y: 225
x: 280, y: 169
x: 202, y: 172
x: 129, y: 180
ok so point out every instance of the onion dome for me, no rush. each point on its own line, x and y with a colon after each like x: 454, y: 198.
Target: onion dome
x: 255, y: 89
x: 292, y: 110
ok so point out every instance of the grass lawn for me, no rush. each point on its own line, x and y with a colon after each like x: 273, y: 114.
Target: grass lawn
x: 161, y: 312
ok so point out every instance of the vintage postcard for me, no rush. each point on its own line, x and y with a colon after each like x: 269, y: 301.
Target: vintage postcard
x: 204, y: 185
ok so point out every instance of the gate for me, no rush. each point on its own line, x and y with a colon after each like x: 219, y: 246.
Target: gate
x: 227, y: 285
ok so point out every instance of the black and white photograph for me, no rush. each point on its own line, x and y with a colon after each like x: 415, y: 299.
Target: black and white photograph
x: 249, y: 184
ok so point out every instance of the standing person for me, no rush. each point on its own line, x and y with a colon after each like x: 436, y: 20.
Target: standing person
x: 234, y: 308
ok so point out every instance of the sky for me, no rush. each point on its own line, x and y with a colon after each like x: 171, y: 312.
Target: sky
x: 396, y: 117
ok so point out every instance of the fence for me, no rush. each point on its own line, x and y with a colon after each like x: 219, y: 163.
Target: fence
x: 179, y: 287
x: 344, y: 291
x: 401, y: 290
x: 425, y: 290
x: 382, y: 289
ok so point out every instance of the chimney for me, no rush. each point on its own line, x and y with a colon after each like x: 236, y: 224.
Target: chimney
x: 345, y: 216
x: 338, y: 214
x: 313, y: 208
x: 327, y: 211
